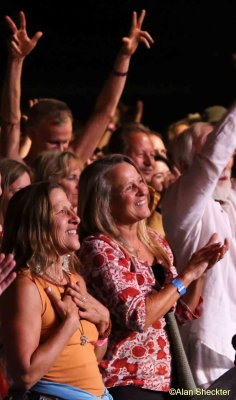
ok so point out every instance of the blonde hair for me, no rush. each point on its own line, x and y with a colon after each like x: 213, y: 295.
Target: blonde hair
x: 54, y: 165
x: 94, y: 205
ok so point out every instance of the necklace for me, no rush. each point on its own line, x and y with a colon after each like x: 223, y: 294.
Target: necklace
x: 133, y: 251
x: 58, y: 282
x: 83, y: 338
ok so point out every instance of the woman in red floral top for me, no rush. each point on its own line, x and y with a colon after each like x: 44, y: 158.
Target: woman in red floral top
x: 120, y: 256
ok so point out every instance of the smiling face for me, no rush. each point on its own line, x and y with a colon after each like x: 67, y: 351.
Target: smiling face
x: 141, y: 151
x: 129, y: 195
x: 161, y: 176
x: 65, y: 223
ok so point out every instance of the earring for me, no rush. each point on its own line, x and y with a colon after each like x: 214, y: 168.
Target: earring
x: 35, y: 265
x: 37, y: 269
x: 66, y: 263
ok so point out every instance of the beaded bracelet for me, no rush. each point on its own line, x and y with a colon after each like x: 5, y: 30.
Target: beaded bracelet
x: 118, y: 73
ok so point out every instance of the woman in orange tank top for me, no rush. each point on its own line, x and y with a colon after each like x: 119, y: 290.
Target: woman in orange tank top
x: 53, y: 329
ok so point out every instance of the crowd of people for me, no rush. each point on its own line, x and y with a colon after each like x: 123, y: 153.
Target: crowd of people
x: 106, y: 234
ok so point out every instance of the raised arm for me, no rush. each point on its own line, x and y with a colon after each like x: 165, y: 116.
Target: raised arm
x: 20, y: 46
x: 190, y: 194
x: 112, y: 90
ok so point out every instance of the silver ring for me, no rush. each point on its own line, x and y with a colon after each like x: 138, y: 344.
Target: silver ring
x: 83, y: 299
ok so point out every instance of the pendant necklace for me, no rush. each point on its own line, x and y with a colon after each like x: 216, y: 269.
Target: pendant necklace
x: 57, y: 282
x: 130, y: 248
x: 83, y: 338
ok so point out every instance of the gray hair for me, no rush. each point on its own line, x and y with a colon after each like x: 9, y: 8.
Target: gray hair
x: 56, y: 111
x: 185, y: 145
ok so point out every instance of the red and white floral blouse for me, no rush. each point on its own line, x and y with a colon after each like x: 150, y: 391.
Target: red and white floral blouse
x: 135, y: 356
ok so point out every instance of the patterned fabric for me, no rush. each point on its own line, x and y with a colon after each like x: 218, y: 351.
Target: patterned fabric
x: 135, y: 356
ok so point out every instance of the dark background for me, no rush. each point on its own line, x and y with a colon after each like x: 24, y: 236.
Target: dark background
x: 189, y: 68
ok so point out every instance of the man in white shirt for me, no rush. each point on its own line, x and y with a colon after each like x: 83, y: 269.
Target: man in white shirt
x: 190, y: 216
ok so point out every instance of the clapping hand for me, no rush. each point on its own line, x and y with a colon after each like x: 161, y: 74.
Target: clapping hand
x: 205, y: 258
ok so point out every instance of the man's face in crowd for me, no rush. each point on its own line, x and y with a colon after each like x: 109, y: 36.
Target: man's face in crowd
x: 141, y: 151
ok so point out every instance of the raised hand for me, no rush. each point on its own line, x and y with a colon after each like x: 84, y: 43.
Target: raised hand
x: 32, y: 102
x: 206, y: 257
x: 20, y: 44
x: 7, y: 276
x: 136, y: 35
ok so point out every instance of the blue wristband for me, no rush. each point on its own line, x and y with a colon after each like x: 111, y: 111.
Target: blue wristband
x: 179, y: 286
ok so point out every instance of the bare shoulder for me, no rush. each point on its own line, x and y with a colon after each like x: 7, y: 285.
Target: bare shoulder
x: 21, y: 293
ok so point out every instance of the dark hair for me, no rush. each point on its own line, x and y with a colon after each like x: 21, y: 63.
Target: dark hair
x: 119, y: 141
x: 10, y: 171
x: 164, y: 160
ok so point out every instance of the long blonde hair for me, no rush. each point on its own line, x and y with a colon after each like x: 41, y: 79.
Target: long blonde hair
x: 53, y: 165
x: 94, y: 205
